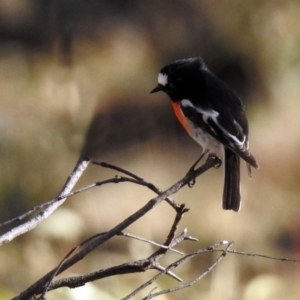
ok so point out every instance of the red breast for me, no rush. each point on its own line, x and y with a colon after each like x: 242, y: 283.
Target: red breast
x: 180, y: 116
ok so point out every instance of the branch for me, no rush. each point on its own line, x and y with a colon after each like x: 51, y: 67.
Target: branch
x: 61, y: 196
x: 39, y: 285
x: 149, y: 185
x: 139, y: 266
x: 127, y: 268
x: 191, y: 282
x: 176, y: 264
x: 49, y: 209
x: 262, y: 256
x: 150, y: 242
x: 142, y: 265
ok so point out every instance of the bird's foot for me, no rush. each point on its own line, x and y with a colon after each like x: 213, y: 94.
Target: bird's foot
x: 218, y: 161
x: 191, y: 171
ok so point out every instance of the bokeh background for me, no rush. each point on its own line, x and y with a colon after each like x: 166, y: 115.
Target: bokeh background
x: 67, y: 64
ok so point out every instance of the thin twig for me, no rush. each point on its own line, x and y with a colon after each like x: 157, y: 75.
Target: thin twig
x: 191, y: 282
x: 150, y: 242
x: 171, y: 241
x: 172, y: 266
x: 113, y: 167
x: 150, y: 185
x: 262, y: 256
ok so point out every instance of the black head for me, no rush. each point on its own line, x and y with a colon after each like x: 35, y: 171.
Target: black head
x: 179, y: 77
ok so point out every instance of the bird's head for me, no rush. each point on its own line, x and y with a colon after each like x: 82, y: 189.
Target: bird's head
x: 179, y: 77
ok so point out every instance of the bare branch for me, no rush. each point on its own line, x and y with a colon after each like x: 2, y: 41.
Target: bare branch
x: 76, y: 281
x: 38, y: 287
x: 262, y: 256
x: 49, y: 209
x: 171, y: 241
x: 172, y: 266
x: 137, y: 266
x: 142, y: 265
x: 61, y: 197
x: 192, y: 282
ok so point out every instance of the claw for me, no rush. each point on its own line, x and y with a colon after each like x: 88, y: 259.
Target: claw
x: 217, y: 159
x: 190, y: 173
x: 192, y: 169
x: 191, y: 183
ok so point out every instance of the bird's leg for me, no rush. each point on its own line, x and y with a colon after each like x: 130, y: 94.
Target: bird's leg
x: 192, y: 168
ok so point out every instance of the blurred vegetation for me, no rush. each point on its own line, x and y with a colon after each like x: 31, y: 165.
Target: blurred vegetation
x: 66, y: 63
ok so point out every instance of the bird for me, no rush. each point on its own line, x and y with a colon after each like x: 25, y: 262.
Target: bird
x: 213, y: 115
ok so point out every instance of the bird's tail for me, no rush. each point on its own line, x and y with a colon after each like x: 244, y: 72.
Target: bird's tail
x: 231, y: 193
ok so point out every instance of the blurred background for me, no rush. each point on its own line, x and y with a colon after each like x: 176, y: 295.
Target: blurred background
x: 71, y: 67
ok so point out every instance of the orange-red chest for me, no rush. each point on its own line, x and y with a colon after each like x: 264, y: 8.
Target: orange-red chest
x: 180, y: 117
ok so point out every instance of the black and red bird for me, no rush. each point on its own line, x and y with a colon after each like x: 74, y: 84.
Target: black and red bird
x: 214, y: 116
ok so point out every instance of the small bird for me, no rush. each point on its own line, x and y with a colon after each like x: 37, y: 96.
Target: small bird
x: 213, y: 115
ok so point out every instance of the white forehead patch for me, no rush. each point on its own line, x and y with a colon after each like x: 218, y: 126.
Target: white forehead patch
x: 162, y: 79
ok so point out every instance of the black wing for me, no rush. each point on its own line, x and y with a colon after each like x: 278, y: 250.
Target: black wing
x: 222, y: 126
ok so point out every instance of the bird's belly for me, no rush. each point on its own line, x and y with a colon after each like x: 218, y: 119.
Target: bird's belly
x: 205, y: 140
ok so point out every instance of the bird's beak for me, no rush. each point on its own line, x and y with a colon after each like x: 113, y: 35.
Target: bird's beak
x: 157, y: 89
